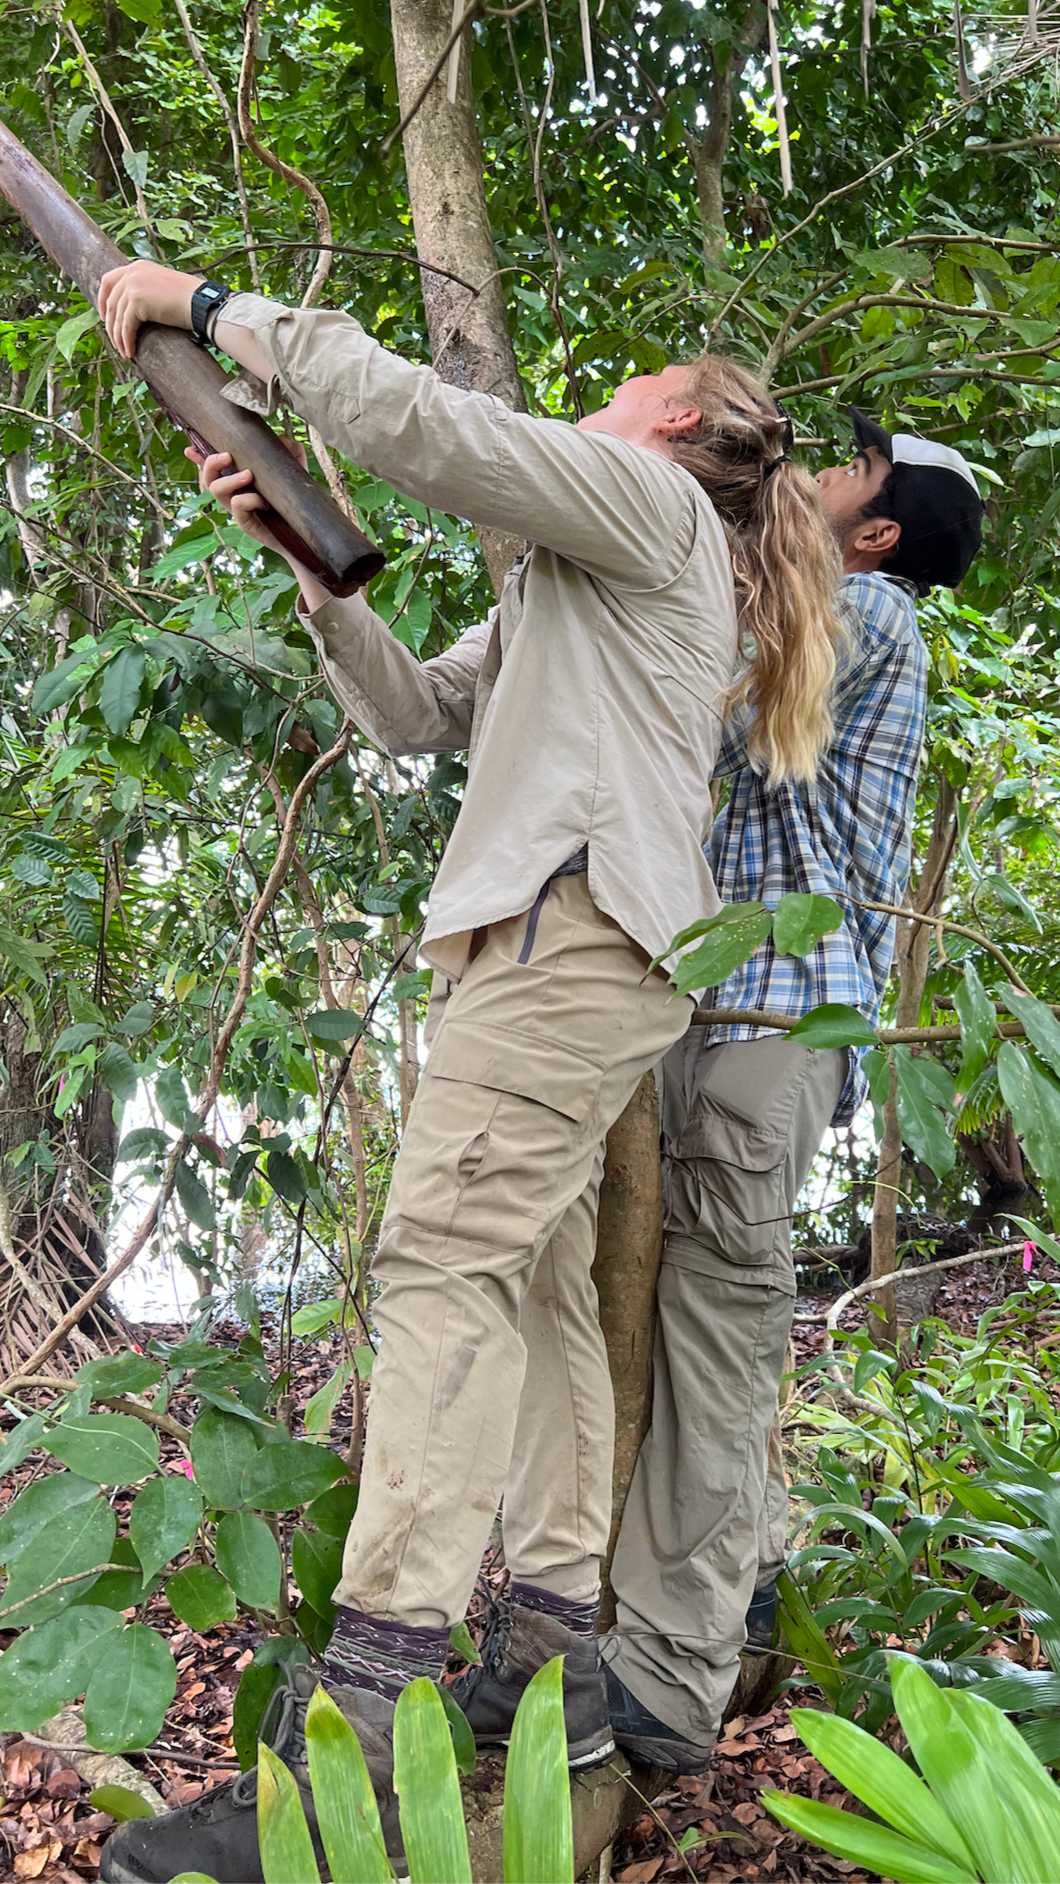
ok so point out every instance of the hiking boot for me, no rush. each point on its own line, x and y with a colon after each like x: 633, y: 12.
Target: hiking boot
x: 761, y: 1619
x: 647, y: 1740
x: 518, y: 1642
x: 218, y: 1834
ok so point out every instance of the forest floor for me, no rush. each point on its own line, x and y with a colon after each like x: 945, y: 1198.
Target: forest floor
x: 50, y: 1831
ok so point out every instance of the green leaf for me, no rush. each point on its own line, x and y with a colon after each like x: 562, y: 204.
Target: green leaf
x: 22, y: 955
x: 119, y: 1072
x: 22, y: 1521
x: 248, y: 1555
x: 131, y: 1687
x: 833, y: 1025
x: 978, y: 1018
x: 331, y: 1025
x: 283, y: 1835
x: 80, y: 918
x: 464, y: 1751
x: 1039, y: 1022
x: 22, y: 1440
x: 288, y: 1473
x: 922, y: 1125
x: 285, y: 1176
x: 121, y: 1803
x: 120, y: 693
x: 122, y: 1587
x: 196, y: 1199
x: 66, y: 340
x: 256, y: 1685
x: 137, y: 1019
x: 47, y: 1666
x: 315, y: 1316
x: 143, y: 1143
x: 347, y: 1812
x: 800, y: 921
x: 73, y: 1038
x: 462, y: 1643
x: 164, y: 1519
x: 805, y: 1637
x: 200, y: 1596
x: 333, y: 1511
x: 538, y: 1839
x: 873, y: 1847
x: 320, y: 1407
x: 222, y: 1447
x: 135, y: 161
x: 874, y: 1774
x: 727, y: 941
x: 146, y: 11
x: 963, y: 1779
x: 428, y: 1788
x: 317, y: 1564
x: 55, y: 688
x: 172, y: 1098
x: 80, y: 1538
x: 901, y: 264
x: 1034, y: 1102
x: 111, y: 1448
x: 76, y: 123
x: 194, y: 549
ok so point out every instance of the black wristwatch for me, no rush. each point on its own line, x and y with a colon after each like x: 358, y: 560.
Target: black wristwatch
x: 206, y: 303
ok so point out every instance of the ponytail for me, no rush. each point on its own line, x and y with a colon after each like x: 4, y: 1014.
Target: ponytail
x: 785, y: 560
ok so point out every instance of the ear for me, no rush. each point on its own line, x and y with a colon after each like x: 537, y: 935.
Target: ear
x: 877, y: 536
x: 679, y: 421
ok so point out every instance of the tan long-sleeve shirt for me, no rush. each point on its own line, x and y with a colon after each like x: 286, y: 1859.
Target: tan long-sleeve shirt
x: 590, y: 699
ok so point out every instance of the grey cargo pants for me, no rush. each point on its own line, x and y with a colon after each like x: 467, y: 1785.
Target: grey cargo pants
x: 742, y: 1122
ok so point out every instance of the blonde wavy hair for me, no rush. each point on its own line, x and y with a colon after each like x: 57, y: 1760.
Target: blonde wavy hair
x: 785, y: 562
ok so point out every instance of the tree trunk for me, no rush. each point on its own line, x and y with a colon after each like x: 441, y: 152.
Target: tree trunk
x: 912, y: 956
x: 470, y: 343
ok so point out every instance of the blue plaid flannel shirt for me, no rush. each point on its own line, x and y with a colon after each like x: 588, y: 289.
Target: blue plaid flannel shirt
x: 850, y: 832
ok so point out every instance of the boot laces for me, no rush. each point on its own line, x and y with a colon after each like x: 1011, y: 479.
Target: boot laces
x: 498, y: 1633
x: 283, y: 1729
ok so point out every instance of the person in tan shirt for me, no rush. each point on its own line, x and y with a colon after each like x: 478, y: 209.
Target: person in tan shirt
x: 661, y: 530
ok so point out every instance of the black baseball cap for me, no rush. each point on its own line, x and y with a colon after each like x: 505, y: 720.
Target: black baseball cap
x: 935, y: 500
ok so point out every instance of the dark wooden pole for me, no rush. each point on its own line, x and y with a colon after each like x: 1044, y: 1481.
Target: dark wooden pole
x: 188, y: 382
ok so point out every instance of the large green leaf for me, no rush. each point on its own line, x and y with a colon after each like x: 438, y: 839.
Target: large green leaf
x: 164, y: 1519
x: 332, y: 1026
x: 49, y: 1665
x: 248, y: 1555
x: 320, y: 1407
x: 726, y: 941
x: 317, y: 1563
x: 71, y: 1541
x: 287, y: 1473
x: 833, y: 1025
x: 428, y: 1788
x: 922, y: 1125
x: 28, y: 1515
x: 195, y: 1198
x: 874, y: 1774
x: 112, y: 1448
x: 1033, y: 1099
x: 222, y: 1447
x: 200, y: 1596
x: 978, y: 1018
x: 1033, y: 1832
x: 256, y: 1685
x: 120, y: 693
x: 59, y: 685
x: 800, y: 921
x: 25, y: 1436
x: 347, y: 1812
x: 119, y: 1373
x: 333, y: 1510
x: 121, y: 1803
x: 964, y: 1780
x: 131, y: 1687
x: 1040, y: 1024
x: 283, y: 1835
x: 874, y: 1848
x: 537, y: 1834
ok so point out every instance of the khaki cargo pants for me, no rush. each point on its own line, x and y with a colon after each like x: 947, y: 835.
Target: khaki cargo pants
x: 704, y: 1520
x: 492, y: 1379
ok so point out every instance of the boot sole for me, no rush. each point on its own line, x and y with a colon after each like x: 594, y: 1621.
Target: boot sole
x: 579, y: 1758
x: 644, y: 1751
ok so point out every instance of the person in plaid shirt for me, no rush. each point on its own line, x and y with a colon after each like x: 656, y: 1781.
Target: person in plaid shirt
x: 745, y: 1110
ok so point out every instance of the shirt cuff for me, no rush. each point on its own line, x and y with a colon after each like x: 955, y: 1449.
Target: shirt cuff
x: 261, y: 315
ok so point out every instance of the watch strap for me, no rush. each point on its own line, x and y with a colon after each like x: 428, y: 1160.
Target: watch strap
x: 206, y: 303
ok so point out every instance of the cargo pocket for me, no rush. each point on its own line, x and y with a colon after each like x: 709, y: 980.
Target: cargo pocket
x: 507, y: 1060
x: 727, y: 1189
